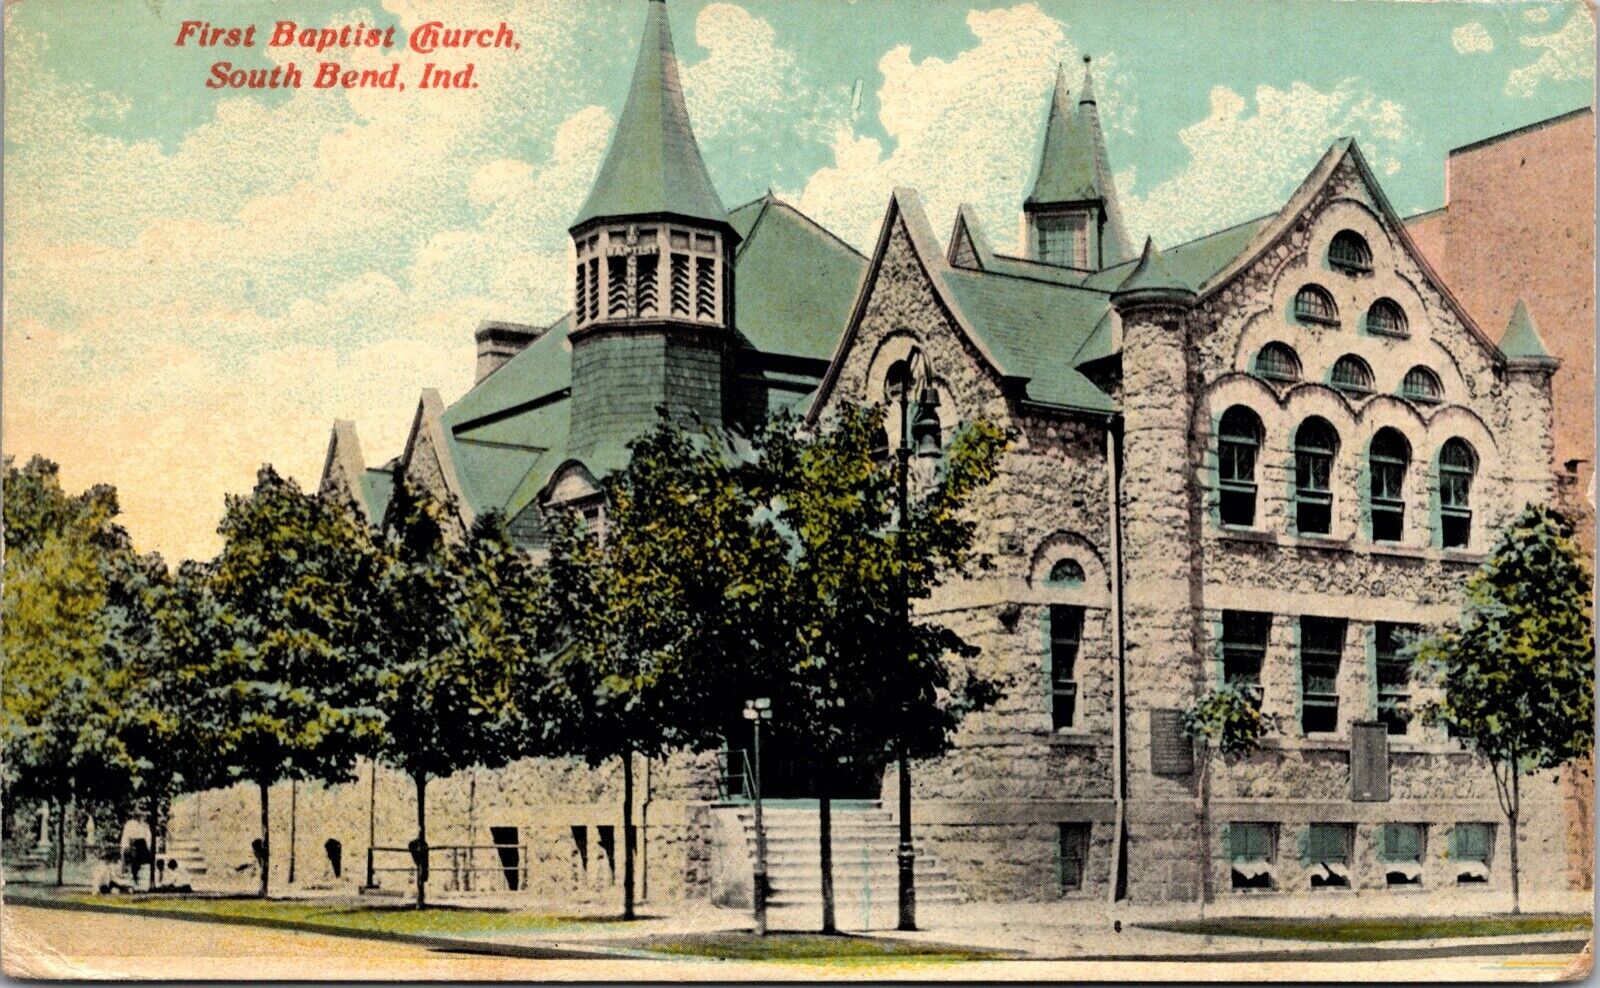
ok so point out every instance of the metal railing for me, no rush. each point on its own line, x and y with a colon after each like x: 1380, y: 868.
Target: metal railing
x: 734, y: 775
x: 456, y: 872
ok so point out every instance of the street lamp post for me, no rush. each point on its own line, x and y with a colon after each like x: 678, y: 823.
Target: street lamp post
x: 919, y: 435
x: 756, y: 711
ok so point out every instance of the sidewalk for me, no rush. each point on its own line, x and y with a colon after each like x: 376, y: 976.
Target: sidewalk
x: 1023, y: 931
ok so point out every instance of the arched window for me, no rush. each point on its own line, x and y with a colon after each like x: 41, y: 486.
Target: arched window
x: 1315, y: 445
x: 1421, y: 384
x: 1349, y: 252
x: 1238, y: 444
x: 1313, y: 304
x: 1065, y: 573
x: 1351, y: 374
x: 1386, y: 318
x: 1387, y: 460
x: 1277, y: 362
x: 1457, y: 466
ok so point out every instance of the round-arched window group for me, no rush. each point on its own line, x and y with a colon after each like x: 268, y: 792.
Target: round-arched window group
x: 1316, y: 450
x: 1350, y: 374
x: 1314, y: 306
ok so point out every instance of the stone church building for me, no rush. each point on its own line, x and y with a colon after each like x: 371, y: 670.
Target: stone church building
x: 1258, y: 458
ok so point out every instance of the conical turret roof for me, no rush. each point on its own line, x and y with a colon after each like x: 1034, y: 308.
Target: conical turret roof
x: 1152, y: 274
x: 654, y: 164
x: 1522, y: 340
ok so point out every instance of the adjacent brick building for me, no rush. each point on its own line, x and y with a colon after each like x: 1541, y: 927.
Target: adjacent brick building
x: 1255, y: 458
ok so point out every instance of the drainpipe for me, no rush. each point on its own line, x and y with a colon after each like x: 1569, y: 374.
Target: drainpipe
x: 1119, y: 741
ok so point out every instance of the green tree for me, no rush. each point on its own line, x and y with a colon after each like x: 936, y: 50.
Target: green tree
x: 162, y: 641
x: 862, y: 682
x: 1226, y: 722
x: 1516, y: 670
x: 53, y: 696
x: 289, y: 693
x: 661, y: 608
x: 454, y: 619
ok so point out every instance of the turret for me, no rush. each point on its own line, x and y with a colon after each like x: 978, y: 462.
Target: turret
x: 1072, y: 215
x: 653, y: 275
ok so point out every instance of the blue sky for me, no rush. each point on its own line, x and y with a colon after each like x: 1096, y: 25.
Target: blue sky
x: 198, y: 281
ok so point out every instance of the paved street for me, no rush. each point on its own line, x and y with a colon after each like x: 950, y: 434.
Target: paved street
x: 67, y: 943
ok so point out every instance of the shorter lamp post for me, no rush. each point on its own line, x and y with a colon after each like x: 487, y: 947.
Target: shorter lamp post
x: 757, y: 711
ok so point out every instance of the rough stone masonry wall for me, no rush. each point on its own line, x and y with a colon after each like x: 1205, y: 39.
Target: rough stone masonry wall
x: 991, y: 809
x: 1299, y: 780
x: 545, y: 799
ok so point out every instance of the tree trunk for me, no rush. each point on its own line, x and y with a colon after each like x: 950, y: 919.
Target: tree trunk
x: 266, y: 840
x: 421, y: 851
x: 60, y: 810
x: 294, y: 800
x: 627, y: 835
x: 1516, y: 875
x: 1203, y: 796
x: 825, y: 852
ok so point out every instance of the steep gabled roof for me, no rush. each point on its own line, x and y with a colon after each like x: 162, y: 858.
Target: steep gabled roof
x: 794, y: 281
x: 654, y: 164
x: 377, y: 487
x: 1268, y: 232
x: 1022, y: 330
x: 969, y: 248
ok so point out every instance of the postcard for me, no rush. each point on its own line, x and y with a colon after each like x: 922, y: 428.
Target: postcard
x: 756, y: 490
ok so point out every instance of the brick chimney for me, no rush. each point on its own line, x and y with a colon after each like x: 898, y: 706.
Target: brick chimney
x: 499, y: 341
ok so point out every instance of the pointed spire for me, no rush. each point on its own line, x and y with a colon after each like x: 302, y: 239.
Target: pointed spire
x: 1074, y: 166
x: 654, y: 164
x: 1153, y: 276
x: 1522, y: 342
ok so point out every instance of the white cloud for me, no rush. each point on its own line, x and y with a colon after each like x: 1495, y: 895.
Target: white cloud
x: 1244, y: 164
x: 961, y: 130
x: 1536, y: 15
x: 175, y: 317
x: 1568, y: 55
x: 1471, y: 38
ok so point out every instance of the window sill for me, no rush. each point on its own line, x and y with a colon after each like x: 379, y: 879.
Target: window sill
x: 1072, y: 737
x: 1329, y: 543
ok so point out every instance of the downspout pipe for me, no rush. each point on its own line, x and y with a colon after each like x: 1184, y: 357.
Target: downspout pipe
x: 1119, y: 742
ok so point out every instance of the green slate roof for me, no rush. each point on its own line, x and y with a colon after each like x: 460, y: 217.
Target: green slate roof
x: 1190, y: 264
x: 1032, y: 329
x: 1152, y: 273
x: 654, y: 164
x: 1522, y: 340
x: 794, y: 282
x: 1066, y: 159
x: 377, y: 487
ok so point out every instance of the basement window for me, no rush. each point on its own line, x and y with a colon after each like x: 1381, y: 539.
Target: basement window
x: 1072, y: 853
x: 1471, y: 845
x: 1250, y: 854
x: 1327, y: 855
x: 1400, y: 848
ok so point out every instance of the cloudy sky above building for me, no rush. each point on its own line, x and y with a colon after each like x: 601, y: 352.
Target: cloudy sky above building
x: 200, y: 281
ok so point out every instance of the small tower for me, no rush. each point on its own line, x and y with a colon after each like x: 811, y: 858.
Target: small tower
x: 1072, y: 215
x: 1530, y: 406
x: 653, y: 276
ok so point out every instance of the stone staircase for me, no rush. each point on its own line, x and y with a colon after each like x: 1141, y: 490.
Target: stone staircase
x: 191, y: 863
x: 865, y: 868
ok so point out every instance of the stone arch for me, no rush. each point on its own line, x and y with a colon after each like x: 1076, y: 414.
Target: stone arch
x: 1061, y: 545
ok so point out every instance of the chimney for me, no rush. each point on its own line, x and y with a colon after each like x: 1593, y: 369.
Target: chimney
x: 499, y: 341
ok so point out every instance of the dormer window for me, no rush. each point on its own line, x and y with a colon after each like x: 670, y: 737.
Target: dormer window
x: 1349, y: 253
x: 1277, y: 362
x: 1351, y: 375
x: 1422, y: 384
x: 1386, y: 318
x: 1064, y: 240
x: 1313, y: 304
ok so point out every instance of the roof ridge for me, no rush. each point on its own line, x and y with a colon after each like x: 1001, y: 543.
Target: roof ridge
x: 782, y: 204
x: 1030, y: 280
